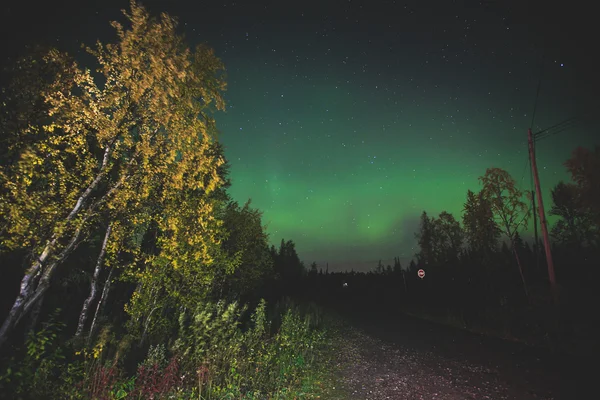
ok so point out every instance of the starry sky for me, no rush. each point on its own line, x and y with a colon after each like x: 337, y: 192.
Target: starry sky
x: 346, y: 119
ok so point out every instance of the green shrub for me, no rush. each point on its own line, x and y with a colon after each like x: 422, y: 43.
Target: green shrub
x: 219, y: 353
x: 37, y: 373
x: 228, y: 361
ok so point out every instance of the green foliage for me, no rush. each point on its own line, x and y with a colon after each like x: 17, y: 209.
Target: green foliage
x: 208, y: 327
x: 247, y: 363
x: 38, y: 372
x: 247, y: 242
x: 157, y: 355
x: 122, y: 389
x: 218, y: 353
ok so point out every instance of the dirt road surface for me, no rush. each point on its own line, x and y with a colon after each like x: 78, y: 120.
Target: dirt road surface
x: 408, y: 358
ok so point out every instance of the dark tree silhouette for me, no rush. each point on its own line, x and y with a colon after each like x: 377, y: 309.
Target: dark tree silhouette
x: 425, y: 239
x: 481, y: 231
x: 584, y: 166
x: 450, y: 237
x: 508, y: 206
x: 576, y: 225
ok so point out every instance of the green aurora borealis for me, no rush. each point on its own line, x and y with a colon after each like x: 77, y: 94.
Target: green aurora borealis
x: 357, y: 197
x: 346, y: 120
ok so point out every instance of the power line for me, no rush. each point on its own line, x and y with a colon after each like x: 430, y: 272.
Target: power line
x: 553, y: 130
x: 555, y: 126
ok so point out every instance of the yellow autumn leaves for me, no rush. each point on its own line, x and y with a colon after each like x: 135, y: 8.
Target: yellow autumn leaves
x: 132, y: 150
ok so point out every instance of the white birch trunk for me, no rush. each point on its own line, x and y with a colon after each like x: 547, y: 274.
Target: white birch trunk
x: 101, y: 302
x: 93, y: 285
x: 29, y: 291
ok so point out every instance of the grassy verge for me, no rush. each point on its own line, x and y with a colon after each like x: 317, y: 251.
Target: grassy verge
x: 286, y: 353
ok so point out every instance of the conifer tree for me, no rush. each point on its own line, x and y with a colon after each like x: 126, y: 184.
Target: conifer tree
x: 481, y: 231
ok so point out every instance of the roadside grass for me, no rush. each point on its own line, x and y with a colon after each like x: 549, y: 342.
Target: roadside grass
x: 216, y: 354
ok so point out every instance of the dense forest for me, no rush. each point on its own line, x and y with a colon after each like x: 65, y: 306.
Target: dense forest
x: 130, y: 272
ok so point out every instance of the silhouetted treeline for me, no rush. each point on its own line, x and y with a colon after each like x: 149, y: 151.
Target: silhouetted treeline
x: 482, y: 275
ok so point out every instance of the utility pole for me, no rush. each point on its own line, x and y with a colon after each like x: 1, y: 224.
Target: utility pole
x: 543, y: 225
x: 535, y: 234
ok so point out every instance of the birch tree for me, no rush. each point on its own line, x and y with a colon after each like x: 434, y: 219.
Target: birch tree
x: 139, y: 140
x: 23, y: 110
x: 93, y: 284
x: 508, y: 207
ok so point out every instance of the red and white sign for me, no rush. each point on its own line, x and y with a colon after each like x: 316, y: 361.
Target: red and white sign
x: 421, y: 273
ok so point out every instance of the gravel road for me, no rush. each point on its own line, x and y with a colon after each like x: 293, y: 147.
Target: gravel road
x: 408, y: 358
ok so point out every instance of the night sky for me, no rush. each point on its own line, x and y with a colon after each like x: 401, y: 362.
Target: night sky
x: 347, y: 119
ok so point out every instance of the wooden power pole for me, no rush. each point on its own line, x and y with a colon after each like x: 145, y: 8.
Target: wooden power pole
x: 542, y: 215
x: 535, y: 234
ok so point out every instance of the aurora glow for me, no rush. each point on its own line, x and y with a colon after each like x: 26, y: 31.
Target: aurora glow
x: 346, y: 120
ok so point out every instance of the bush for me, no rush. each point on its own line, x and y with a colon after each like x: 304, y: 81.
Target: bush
x: 221, y: 358
x: 39, y: 369
x: 220, y: 352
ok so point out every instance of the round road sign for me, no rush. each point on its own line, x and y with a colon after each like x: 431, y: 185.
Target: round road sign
x: 421, y: 273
